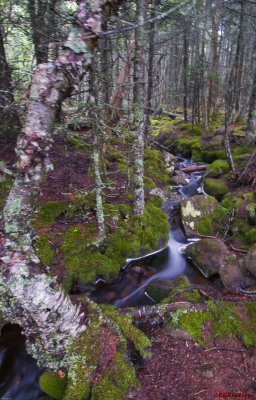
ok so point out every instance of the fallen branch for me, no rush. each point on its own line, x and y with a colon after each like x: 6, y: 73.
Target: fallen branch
x: 157, y: 314
x: 195, y: 168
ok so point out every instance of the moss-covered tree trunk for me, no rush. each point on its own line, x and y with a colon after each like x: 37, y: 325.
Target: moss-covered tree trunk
x: 29, y: 297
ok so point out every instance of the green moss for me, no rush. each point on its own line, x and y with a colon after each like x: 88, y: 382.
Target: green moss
x: 231, y: 201
x: 241, y: 150
x: 215, y: 187
x: 53, y: 385
x: 84, y: 262
x: 116, y: 381
x: 149, y: 183
x: 250, y: 237
x: 179, y: 284
x: 247, y: 326
x: 224, y: 319
x: 191, y: 321
x: 209, y: 156
x: 78, y: 143
x: 45, y: 250
x: 48, y: 212
x: 141, y: 342
x: 5, y: 186
x: 133, y: 236
x: 217, y: 168
x: 185, y: 146
x: 154, y: 167
x: 139, y: 235
x: 213, y: 223
x: 114, y: 155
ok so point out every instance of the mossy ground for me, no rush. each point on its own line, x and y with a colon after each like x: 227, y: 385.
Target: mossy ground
x: 226, y: 320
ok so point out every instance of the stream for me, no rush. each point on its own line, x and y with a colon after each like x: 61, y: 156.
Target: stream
x: 139, y: 283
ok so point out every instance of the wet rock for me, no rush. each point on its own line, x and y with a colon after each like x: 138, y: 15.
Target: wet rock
x: 208, y: 255
x: 180, y: 178
x: 203, y: 214
x: 250, y: 260
x: 177, y: 333
x: 234, y: 275
x: 160, y: 193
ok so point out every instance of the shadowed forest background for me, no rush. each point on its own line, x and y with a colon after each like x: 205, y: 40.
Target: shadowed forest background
x: 127, y: 199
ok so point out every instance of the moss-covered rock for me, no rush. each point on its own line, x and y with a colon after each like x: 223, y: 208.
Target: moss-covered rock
x: 155, y: 168
x: 203, y: 214
x: 215, y: 187
x: 53, y: 385
x: 208, y: 255
x: 132, y: 237
x: 209, y: 156
x: 216, y: 169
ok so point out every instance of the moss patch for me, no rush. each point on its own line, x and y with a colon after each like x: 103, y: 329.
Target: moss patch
x: 215, y: 187
x: 53, y: 385
x: 44, y: 250
x: 5, y: 187
x: 216, y: 169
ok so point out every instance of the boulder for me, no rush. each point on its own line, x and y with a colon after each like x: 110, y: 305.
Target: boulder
x: 234, y: 275
x: 208, y: 255
x: 203, y: 214
x: 170, y: 162
x: 215, y: 187
x: 180, y: 178
x: 250, y: 260
x: 216, y: 169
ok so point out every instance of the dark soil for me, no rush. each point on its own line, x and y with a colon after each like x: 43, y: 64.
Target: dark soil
x: 181, y: 370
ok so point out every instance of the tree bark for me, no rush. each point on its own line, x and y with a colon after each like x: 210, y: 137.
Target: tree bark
x: 29, y: 297
x: 139, y: 103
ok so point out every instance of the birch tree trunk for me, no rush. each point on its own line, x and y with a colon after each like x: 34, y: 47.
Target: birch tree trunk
x: 29, y: 297
x: 139, y: 96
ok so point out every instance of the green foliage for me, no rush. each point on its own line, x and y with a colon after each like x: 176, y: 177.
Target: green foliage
x: 209, y: 156
x: 53, y: 385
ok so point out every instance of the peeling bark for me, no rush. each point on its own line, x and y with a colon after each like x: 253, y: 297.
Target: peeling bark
x: 29, y: 297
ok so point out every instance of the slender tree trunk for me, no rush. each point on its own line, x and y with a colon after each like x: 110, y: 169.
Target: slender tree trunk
x: 185, y: 73
x: 98, y: 121
x: 251, y: 121
x: 214, y: 59
x: 9, y: 120
x: 139, y: 98
x: 118, y: 94
x: 149, y: 91
x: 239, y: 58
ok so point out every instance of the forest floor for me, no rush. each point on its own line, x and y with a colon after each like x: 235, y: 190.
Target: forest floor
x: 179, y: 368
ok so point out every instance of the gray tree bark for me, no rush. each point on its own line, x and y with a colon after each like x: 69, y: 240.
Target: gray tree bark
x: 139, y: 96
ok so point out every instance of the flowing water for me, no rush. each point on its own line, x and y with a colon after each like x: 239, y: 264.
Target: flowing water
x: 138, y: 282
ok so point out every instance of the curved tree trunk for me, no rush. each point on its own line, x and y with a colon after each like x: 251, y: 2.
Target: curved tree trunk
x: 29, y: 297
